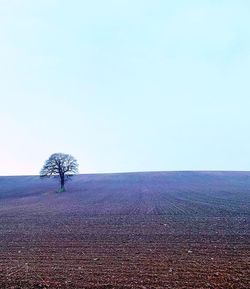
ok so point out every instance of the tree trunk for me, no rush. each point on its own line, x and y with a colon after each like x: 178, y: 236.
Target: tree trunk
x: 62, y: 182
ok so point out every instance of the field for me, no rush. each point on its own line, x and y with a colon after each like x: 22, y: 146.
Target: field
x: 133, y: 230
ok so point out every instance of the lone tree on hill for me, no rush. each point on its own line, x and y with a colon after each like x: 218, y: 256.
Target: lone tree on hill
x: 62, y: 165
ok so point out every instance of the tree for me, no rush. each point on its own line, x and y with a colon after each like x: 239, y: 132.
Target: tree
x: 62, y: 165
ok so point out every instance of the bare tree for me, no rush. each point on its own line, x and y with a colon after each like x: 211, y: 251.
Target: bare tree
x: 62, y: 165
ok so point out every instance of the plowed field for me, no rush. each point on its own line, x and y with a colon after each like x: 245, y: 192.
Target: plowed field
x: 135, y: 230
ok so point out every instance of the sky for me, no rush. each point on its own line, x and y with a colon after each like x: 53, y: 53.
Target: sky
x: 125, y: 85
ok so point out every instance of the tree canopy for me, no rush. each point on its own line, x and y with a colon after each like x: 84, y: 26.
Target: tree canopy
x: 62, y: 165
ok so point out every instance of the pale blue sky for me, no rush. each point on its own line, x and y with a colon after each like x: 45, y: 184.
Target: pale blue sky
x: 125, y: 85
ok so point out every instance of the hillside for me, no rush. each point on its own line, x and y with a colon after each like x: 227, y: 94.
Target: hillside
x: 180, y: 193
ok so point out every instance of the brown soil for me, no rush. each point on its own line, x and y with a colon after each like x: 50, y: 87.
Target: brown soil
x: 126, y: 231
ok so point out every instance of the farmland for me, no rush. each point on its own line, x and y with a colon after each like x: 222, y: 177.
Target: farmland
x: 130, y: 230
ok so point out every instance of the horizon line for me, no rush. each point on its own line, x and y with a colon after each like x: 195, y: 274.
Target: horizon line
x: 138, y: 172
